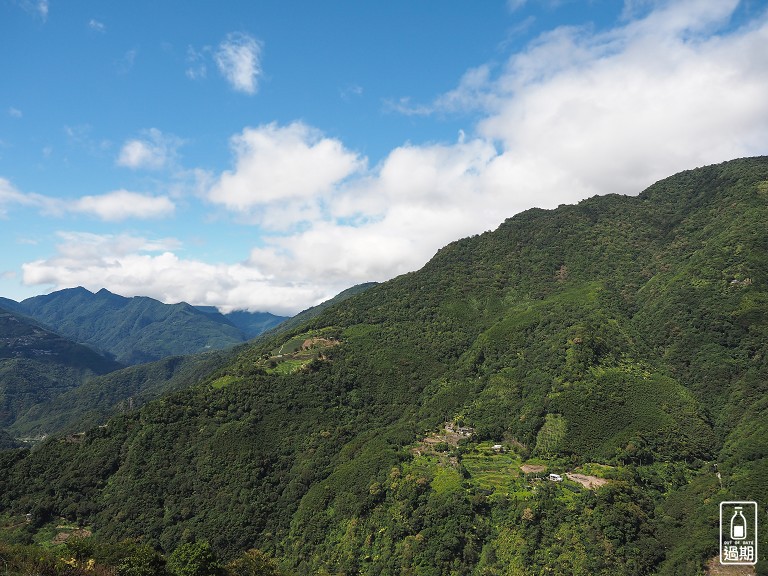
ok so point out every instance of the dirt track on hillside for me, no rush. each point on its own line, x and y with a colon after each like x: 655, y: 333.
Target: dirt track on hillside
x: 590, y: 482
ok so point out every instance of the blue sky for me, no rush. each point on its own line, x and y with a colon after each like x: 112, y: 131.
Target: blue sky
x: 266, y: 155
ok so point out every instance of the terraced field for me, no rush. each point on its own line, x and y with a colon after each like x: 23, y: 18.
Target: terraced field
x: 493, y: 471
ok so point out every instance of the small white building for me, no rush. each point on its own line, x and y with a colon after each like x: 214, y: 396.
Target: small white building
x: 555, y: 478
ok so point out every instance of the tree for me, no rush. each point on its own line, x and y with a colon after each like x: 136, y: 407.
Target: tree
x: 194, y: 559
x: 254, y: 563
x: 143, y: 561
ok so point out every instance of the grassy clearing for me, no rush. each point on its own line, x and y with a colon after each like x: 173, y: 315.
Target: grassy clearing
x: 223, y: 381
x: 288, y: 366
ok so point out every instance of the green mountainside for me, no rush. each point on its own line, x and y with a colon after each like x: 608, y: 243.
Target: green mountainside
x: 140, y: 329
x: 10, y: 305
x: 306, y: 315
x: 37, y: 365
x: 619, y: 343
x: 99, y: 397
x: 7, y: 441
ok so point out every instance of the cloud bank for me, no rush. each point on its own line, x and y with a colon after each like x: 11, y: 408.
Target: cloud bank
x: 137, y: 266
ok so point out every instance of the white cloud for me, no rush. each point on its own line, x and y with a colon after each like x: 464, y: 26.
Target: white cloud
x: 126, y: 63
x: 197, y: 68
x: 351, y: 91
x: 391, y: 221
x: 36, y: 8
x: 15, y: 112
x: 278, y: 165
x: 8, y: 192
x: 123, y: 204
x: 154, y: 151
x: 613, y: 112
x: 472, y: 93
x: 10, y: 196
x: 239, y: 60
x: 112, y: 206
x: 96, y: 25
x: 135, y: 266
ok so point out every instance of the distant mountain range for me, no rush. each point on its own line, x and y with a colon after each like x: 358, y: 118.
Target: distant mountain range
x: 140, y: 329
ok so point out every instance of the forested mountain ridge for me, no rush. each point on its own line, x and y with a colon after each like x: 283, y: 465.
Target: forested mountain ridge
x: 140, y: 329
x: 621, y: 340
x: 101, y: 396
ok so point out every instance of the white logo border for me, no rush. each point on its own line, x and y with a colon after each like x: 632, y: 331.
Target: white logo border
x: 735, y: 503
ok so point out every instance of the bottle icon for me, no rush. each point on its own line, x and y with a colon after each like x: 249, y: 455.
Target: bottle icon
x: 738, y: 525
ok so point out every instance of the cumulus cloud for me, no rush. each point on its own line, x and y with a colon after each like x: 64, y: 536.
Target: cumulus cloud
x: 612, y: 112
x: 238, y: 58
x: 279, y: 166
x: 123, y: 204
x: 154, y: 150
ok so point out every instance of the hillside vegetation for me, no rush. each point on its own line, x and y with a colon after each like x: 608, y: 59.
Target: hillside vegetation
x: 37, y: 365
x: 84, y: 400
x: 619, y: 343
x: 99, y: 397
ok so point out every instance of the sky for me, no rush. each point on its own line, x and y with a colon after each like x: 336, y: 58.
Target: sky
x: 266, y: 155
